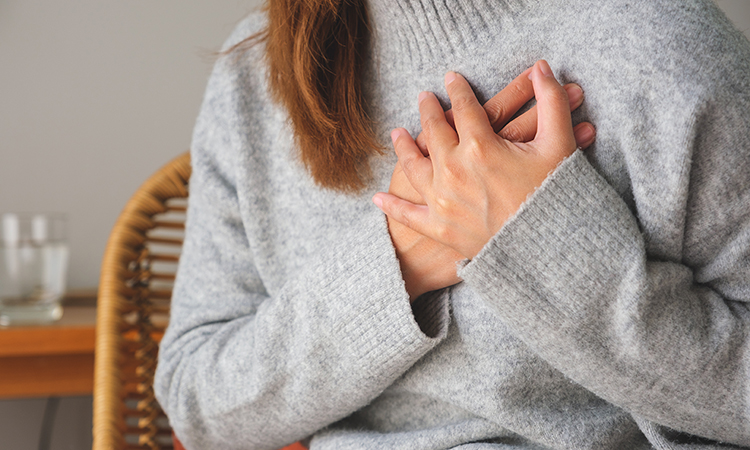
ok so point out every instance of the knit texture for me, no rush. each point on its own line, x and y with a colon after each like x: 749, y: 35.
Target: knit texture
x: 611, y: 312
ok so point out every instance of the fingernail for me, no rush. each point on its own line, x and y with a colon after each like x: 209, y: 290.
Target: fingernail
x: 575, y: 93
x: 450, y: 77
x: 397, y: 133
x: 378, y: 201
x: 423, y: 95
x: 546, y: 70
x: 584, y: 134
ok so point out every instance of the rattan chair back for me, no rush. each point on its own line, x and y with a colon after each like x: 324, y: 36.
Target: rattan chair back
x: 135, y: 288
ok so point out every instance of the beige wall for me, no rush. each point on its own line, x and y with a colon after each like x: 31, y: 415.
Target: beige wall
x: 739, y: 12
x: 95, y: 95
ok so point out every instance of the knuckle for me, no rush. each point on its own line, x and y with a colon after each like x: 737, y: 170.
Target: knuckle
x: 472, y: 141
x: 558, y: 95
x: 511, y: 133
x: 443, y: 206
x: 444, y: 233
x: 476, y: 148
x: 499, y: 112
x: 495, y: 112
x: 461, y: 102
x: 430, y: 124
x: 407, y: 164
x: 517, y: 90
x: 401, y: 214
x: 454, y: 172
x: 479, y: 157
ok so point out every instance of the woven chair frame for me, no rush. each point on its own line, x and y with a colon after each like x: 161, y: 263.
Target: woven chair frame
x: 133, y: 309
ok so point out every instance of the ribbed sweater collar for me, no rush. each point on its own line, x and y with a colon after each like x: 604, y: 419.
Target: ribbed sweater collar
x: 411, y: 33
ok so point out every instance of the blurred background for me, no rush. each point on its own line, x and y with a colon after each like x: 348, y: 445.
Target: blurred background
x: 95, y: 95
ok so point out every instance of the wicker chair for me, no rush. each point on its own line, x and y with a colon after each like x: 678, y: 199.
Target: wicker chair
x: 135, y: 288
x: 133, y: 306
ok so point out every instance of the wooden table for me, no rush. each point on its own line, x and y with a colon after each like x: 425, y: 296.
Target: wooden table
x: 51, y: 360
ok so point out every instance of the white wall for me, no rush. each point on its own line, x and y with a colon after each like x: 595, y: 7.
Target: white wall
x: 94, y: 96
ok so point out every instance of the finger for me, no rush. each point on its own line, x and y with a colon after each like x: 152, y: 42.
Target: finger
x: 437, y: 132
x: 420, y: 141
x: 403, y: 211
x: 449, y: 118
x: 523, y: 127
x: 506, y: 103
x: 575, y: 95
x: 416, y: 167
x: 401, y: 187
x: 468, y: 115
x: 554, y: 126
x: 585, y: 134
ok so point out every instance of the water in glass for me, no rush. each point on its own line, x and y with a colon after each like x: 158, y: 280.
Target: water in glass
x: 33, y: 268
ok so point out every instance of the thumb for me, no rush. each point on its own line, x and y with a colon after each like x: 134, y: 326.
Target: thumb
x: 554, y: 125
x: 403, y: 211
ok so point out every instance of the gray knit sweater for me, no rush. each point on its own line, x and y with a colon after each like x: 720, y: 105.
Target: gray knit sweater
x: 611, y: 312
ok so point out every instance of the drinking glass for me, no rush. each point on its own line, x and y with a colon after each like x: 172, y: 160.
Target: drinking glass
x: 33, y: 267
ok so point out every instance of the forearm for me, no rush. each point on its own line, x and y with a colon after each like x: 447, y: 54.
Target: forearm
x: 276, y: 368
x: 570, y: 274
x: 252, y: 363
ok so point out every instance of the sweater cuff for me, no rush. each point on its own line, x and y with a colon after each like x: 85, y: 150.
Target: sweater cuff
x: 550, y: 260
x: 375, y: 322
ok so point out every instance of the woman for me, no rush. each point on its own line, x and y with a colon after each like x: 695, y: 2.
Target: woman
x: 607, y: 310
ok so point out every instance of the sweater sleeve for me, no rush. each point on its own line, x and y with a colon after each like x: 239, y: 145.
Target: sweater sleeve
x: 666, y: 338
x: 241, y: 368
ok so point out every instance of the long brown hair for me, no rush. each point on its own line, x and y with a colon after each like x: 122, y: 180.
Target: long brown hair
x: 315, y: 52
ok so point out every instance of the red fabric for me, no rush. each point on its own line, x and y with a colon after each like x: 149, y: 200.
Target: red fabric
x: 295, y: 446
x: 177, y: 443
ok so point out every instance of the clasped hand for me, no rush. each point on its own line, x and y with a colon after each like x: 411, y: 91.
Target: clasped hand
x: 472, y: 180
